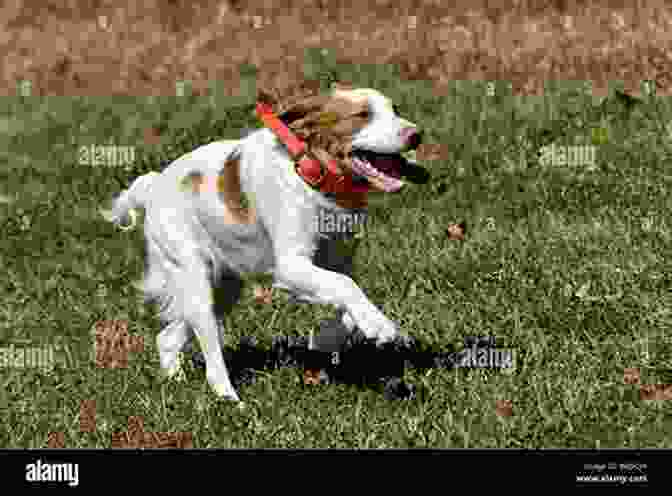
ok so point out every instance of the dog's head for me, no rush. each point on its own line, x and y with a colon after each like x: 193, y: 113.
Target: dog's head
x: 362, y: 130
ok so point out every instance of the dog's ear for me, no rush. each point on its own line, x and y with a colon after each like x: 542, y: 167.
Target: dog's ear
x: 340, y: 117
x: 266, y: 97
x: 303, y: 108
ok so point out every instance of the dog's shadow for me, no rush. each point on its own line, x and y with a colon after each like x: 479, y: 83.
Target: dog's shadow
x: 360, y: 362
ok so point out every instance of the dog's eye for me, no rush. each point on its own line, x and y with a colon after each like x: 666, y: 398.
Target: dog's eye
x: 395, y: 109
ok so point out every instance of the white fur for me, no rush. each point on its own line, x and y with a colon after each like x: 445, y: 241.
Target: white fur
x: 191, y: 246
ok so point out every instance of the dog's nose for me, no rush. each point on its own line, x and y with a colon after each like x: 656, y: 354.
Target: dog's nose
x: 412, y: 136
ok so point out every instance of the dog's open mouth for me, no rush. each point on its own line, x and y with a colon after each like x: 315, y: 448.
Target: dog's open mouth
x: 383, y: 171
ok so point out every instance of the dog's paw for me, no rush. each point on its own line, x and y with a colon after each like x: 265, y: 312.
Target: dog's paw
x: 224, y: 392
x: 375, y: 325
x: 221, y: 385
x: 174, y: 371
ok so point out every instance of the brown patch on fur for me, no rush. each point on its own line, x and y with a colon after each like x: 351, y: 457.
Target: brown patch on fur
x: 227, y: 186
x: 284, y: 98
x: 231, y: 194
x: 296, y: 113
x: 327, y: 126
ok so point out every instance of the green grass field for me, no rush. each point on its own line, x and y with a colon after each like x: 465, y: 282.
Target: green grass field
x: 568, y: 264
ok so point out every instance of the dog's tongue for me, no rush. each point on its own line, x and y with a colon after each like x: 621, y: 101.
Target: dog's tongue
x: 380, y: 180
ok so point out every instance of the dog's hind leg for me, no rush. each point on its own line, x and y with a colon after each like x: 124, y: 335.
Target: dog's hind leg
x: 181, y: 276
x: 197, y: 307
x: 170, y: 342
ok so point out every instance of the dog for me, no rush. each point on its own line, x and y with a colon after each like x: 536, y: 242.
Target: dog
x: 202, y: 237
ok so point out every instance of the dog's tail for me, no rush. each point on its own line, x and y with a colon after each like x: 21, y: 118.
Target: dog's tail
x: 123, y: 212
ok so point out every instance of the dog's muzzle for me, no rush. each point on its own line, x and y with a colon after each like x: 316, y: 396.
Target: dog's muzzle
x: 386, y: 170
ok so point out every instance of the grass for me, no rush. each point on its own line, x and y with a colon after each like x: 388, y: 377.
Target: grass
x: 569, y: 265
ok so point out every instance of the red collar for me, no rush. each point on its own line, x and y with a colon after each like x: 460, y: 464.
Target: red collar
x: 312, y: 171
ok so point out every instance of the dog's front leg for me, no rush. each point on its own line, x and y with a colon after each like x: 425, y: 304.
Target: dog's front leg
x: 298, y: 274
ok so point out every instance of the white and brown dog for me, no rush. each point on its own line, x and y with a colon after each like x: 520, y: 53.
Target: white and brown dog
x: 198, y: 232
